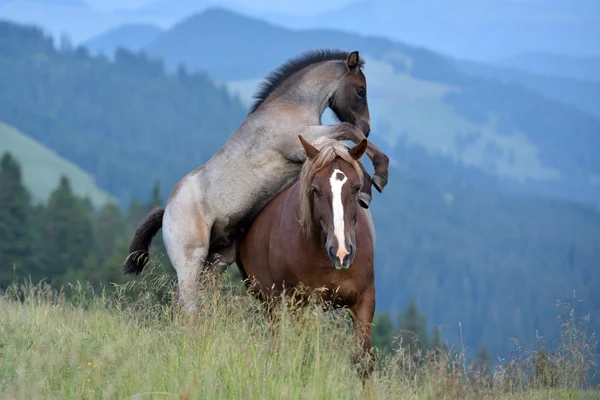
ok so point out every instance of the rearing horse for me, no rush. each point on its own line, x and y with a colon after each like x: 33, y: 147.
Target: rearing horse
x: 314, y: 233
x: 210, y: 206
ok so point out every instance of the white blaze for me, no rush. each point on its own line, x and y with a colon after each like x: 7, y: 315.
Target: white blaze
x: 338, y: 211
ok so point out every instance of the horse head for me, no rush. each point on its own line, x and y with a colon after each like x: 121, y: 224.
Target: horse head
x: 333, y: 180
x: 349, y: 100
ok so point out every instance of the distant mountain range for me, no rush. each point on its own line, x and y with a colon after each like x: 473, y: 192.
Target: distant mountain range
x: 538, y: 132
x: 471, y: 29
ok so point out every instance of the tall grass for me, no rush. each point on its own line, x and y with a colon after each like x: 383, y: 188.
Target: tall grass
x: 133, y: 342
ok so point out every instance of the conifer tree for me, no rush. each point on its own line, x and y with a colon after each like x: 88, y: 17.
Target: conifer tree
x: 16, y: 233
x: 412, y: 327
x: 109, y: 226
x: 68, y: 234
x: 382, y: 333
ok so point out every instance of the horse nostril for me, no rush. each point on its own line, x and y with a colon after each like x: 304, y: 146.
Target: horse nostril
x: 350, y: 250
x: 332, y: 252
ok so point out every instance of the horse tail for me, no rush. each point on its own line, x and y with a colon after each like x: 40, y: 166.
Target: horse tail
x: 138, y: 249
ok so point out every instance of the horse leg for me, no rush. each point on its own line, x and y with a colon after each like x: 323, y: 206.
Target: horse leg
x: 365, y: 196
x: 362, y: 314
x: 221, y: 257
x: 187, y: 244
x: 380, y: 160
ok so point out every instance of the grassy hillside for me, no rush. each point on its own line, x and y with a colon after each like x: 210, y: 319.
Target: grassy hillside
x: 42, y: 167
x: 552, y: 64
x: 582, y: 93
x: 503, y: 128
x: 113, y: 347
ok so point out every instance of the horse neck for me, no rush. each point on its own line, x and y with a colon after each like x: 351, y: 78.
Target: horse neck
x: 312, y: 87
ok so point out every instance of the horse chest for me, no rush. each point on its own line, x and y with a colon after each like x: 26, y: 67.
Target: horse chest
x: 341, y: 287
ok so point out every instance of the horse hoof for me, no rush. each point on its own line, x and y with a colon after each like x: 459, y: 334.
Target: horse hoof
x: 364, y: 200
x: 379, y: 183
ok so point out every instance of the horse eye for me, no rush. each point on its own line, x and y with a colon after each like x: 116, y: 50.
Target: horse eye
x: 356, y: 189
x: 361, y: 91
x: 317, y: 192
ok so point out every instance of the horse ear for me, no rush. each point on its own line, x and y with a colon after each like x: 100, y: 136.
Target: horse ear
x: 353, y: 61
x: 357, y: 151
x: 310, y: 150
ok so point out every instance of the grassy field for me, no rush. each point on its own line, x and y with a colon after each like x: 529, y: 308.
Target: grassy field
x: 133, y: 344
x: 42, y: 167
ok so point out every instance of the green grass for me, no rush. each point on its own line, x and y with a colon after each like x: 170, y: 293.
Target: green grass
x: 42, y: 167
x: 413, y: 109
x: 134, y: 344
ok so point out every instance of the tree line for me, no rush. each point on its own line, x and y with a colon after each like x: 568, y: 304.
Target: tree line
x: 64, y: 239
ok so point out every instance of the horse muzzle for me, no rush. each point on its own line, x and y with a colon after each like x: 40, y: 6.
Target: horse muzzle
x: 365, y: 126
x: 341, y: 258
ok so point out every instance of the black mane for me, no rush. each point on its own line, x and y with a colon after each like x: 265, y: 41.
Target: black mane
x: 290, y: 67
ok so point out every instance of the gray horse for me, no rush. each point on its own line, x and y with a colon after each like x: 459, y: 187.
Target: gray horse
x: 210, y: 207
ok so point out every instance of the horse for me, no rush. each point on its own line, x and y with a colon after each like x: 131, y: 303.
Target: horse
x: 314, y: 234
x: 209, y: 208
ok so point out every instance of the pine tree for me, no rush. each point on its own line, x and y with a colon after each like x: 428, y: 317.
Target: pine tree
x: 16, y: 233
x: 135, y: 214
x: 412, y: 328
x: 437, y: 344
x: 155, y: 198
x: 109, y: 226
x: 68, y: 234
x: 382, y: 334
x: 483, y: 360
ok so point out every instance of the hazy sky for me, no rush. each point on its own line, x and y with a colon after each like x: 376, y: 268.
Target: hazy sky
x: 295, y: 7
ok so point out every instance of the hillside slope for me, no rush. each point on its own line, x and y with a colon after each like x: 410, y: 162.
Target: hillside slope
x: 584, y: 94
x: 503, y: 128
x: 42, y: 168
x: 552, y: 64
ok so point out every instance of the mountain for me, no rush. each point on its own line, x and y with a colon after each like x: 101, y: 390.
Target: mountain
x: 449, y: 234
x: 551, y: 64
x: 470, y: 29
x: 125, y: 122
x: 502, y: 127
x: 133, y: 37
x: 583, y: 94
x: 42, y: 168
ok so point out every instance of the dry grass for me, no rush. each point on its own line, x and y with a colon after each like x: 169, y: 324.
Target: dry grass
x: 134, y: 343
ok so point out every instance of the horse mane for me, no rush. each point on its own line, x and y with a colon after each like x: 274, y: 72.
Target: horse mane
x: 329, y: 150
x: 274, y: 79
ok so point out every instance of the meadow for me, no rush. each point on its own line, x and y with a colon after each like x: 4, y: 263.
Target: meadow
x: 130, y: 341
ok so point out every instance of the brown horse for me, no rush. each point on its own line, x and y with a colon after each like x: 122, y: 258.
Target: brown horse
x: 316, y: 235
